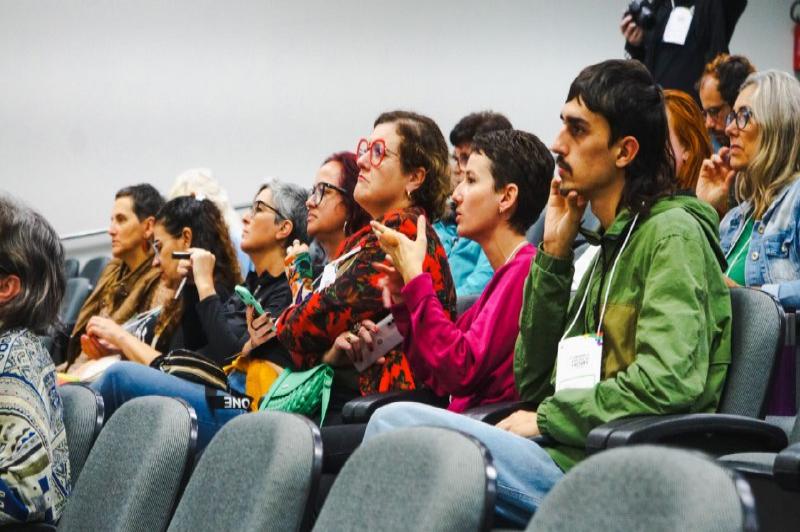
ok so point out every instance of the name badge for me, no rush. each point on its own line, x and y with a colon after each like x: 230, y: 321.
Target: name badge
x: 578, y: 362
x: 678, y: 25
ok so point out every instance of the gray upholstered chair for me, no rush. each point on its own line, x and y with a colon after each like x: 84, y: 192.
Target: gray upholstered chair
x: 136, y: 469
x: 758, y: 337
x: 71, y: 267
x: 258, y: 473
x: 93, y: 268
x: 75, y: 294
x: 420, y: 478
x: 650, y: 488
x: 775, y: 480
x: 757, y: 340
x: 83, y: 418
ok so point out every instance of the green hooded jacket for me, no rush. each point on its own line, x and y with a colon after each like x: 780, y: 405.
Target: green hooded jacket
x: 666, y: 330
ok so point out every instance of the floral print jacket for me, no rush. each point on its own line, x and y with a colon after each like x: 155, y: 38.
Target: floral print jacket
x: 309, y: 328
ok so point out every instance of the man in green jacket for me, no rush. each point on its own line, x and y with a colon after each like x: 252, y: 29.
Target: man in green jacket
x: 648, y: 331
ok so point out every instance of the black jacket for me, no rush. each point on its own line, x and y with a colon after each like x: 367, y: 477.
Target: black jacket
x: 225, y: 324
x: 679, y: 67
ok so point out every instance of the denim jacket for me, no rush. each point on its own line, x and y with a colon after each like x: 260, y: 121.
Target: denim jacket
x: 773, y: 258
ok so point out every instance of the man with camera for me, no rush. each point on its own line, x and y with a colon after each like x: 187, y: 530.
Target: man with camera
x: 676, y: 38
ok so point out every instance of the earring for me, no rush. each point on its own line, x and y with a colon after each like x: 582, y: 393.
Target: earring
x: 344, y: 228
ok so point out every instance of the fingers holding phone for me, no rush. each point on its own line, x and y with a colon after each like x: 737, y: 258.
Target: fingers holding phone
x: 260, y: 328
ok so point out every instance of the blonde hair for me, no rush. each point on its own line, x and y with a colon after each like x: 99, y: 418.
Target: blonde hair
x: 776, y: 110
x: 201, y: 182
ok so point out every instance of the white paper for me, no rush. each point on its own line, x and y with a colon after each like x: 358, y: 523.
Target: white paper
x: 578, y: 363
x: 680, y: 18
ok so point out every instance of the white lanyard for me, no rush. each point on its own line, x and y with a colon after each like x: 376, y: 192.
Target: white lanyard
x: 608, y: 288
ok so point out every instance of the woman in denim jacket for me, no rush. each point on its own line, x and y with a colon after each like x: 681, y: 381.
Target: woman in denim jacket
x: 760, y: 235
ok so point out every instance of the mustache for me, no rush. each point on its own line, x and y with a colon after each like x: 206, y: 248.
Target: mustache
x: 561, y: 163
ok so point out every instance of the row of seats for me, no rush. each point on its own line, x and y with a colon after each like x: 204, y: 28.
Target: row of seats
x: 739, y: 426
x: 261, y: 472
x: 80, y: 283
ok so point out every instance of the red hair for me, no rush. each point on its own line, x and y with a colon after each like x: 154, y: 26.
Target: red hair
x: 689, y: 127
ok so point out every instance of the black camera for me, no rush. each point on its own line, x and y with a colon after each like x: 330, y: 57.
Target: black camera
x: 642, y: 13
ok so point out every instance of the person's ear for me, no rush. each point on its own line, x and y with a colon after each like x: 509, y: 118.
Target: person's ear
x: 186, y: 237
x: 284, y: 231
x: 415, y: 180
x: 10, y: 287
x: 148, y: 224
x: 626, y: 150
x: 508, y: 198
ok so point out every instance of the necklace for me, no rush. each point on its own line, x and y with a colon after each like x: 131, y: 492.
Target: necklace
x: 515, y: 251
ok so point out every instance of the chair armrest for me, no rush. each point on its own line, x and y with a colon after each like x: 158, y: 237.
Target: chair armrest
x: 786, y: 468
x: 360, y: 409
x: 496, y: 412
x: 716, y: 434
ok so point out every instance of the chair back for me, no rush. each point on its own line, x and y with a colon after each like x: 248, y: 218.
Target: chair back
x: 75, y: 294
x: 258, y: 473
x: 93, y: 268
x: 420, y: 478
x: 646, y: 487
x: 757, y: 341
x: 83, y: 418
x: 71, y: 267
x: 136, y: 469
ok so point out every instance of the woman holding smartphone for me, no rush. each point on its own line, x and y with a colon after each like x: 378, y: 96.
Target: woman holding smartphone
x: 230, y: 327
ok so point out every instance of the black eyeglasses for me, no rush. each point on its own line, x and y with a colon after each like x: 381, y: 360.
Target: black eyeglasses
x: 461, y: 160
x: 317, y: 193
x: 259, y: 207
x: 741, y: 117
x: 714, y: 112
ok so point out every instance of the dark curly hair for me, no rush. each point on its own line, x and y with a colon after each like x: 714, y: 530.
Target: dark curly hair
x: 357, y: 217
x: 209, y: 232
x: 423, y: 145
x: 730, y: 71
x: 476, y: 123
x: 520, y: 158
x: 624, y: 93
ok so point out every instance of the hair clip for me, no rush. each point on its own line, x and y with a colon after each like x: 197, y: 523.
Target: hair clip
x: 199, y: 196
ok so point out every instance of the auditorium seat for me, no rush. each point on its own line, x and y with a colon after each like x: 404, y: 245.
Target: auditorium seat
x: 136, y: 469
x: 93, y: 268
x: 84, y: 415
x: 758, y: 337
x: 258, y: 473
x: 421, y: 478
x: 645, y: 487
x: 71, y: 267
x: 75, y: 294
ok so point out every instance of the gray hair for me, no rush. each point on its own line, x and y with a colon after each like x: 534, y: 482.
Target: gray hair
x: 290, y: 200
x: 31, y: 250
x: 776, y: 110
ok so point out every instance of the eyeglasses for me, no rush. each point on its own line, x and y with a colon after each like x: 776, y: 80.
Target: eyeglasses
x: 741, y: 117
x: 377, y: 151
x: 461, y: 159
x: 318, y: 192
x: 259, y: 206
x: 713, y: 112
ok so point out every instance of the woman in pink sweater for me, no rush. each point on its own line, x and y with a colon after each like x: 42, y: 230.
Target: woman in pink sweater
x: 505, y: 188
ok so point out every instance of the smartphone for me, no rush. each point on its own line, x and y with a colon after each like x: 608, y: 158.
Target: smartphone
x: 383, y: 341
x: 248, y: 299
x: 178, y: 255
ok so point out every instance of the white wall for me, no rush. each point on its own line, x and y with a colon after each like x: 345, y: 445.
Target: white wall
x: 96, y: 95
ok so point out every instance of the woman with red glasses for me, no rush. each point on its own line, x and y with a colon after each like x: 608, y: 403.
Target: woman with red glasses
x: 403, y: 173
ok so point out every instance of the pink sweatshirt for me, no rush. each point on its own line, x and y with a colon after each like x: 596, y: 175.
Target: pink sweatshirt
x: 471, y: 360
